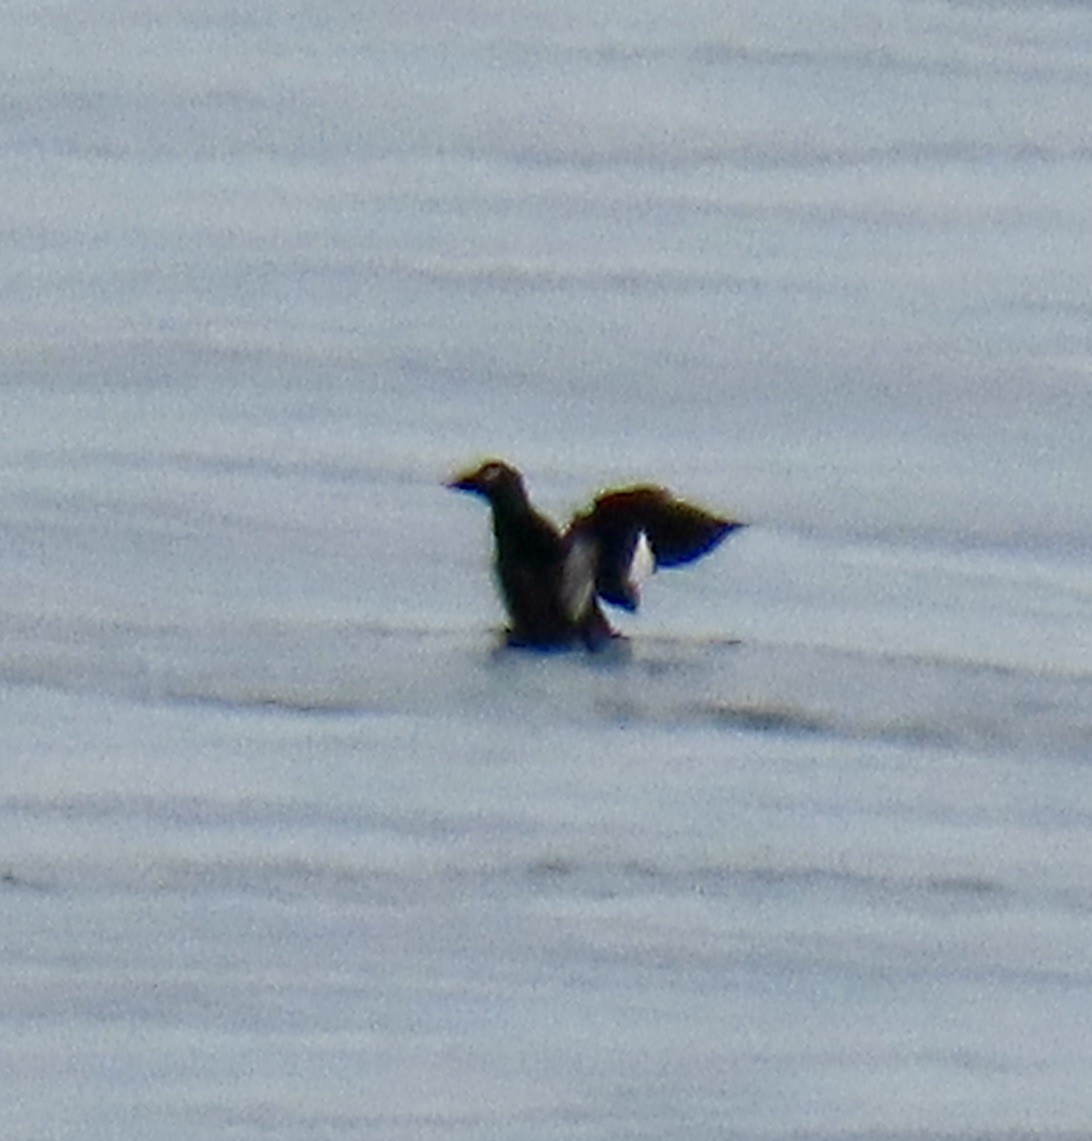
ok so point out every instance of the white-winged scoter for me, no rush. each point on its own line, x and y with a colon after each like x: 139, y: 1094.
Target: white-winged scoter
x: 551, y: 581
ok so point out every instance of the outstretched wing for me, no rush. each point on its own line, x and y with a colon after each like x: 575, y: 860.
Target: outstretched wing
x: 636, y: 530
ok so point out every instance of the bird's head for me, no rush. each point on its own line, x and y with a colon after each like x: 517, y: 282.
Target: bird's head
x: 493, y: 480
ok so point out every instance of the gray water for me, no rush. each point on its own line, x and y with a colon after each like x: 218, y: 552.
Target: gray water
x: 287, y: 848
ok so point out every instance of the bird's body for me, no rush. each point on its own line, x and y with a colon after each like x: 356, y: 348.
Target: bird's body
x: 551, y: 581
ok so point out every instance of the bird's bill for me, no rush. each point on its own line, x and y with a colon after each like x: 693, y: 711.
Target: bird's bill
x: 464, y: 481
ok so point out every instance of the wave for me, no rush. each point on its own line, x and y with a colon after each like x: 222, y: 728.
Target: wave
x: 659, y: 683
x: 551, y: 276
x: 321, y: 851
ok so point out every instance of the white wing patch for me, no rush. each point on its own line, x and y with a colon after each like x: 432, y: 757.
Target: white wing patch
x: 578, y: 576
x: 642, y: 566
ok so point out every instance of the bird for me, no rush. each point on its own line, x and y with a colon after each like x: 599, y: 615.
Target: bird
x: 552, y: 581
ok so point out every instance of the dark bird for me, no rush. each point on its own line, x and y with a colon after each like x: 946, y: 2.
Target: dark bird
x: 552, y: 581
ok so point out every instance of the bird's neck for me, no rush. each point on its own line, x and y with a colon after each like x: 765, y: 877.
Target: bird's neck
x: 517, y: 526
x: 510, y: 505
